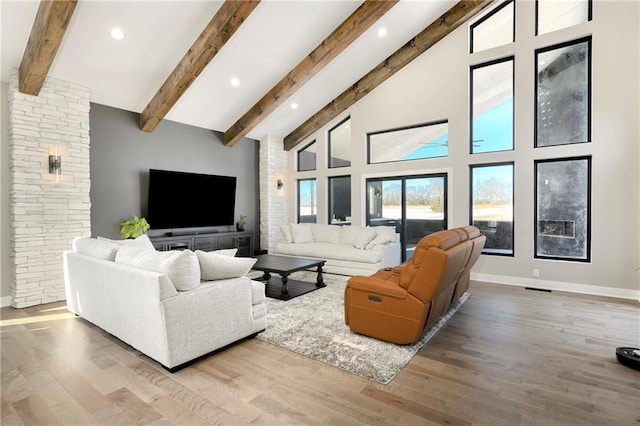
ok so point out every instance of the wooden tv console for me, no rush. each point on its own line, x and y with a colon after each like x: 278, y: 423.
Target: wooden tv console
x: 243, y: 241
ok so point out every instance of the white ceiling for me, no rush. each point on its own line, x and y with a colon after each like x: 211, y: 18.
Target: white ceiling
x: 276, y: 36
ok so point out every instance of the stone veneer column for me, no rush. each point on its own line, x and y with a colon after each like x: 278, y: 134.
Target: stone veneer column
x: 44, y: 216
x: 274, y: 209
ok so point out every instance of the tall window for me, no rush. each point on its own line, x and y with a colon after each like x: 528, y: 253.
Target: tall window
x: 492, y: 206
x: 415, y: 205
x: 492, y: 106
x: 563, y: 208
x: 340, y: 144
x: 307, y: 157
x: 552, y: 15
x: 409, y: 143
x: 307, y: 201
x: 563, y: 93
x: 340, y: 200
x: 494, y: 29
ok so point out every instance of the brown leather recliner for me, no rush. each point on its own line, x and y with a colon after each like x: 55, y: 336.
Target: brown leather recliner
x: 397, y: 304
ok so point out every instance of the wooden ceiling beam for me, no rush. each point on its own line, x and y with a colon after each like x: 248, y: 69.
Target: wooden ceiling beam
x: 221, y: 28
x: 346, y: 33
x: 47, y: 32
x: 436, y: 31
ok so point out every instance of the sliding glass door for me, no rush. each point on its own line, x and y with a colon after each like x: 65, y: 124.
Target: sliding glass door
x: 415, y: 205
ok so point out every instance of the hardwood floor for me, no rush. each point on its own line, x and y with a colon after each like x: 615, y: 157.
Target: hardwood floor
x: 509, y: 356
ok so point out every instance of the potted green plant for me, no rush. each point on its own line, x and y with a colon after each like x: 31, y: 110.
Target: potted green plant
x: 241, y: 223
x: 133, y: 228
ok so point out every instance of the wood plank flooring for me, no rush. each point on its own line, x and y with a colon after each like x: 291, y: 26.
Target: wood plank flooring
x: 509, y: 356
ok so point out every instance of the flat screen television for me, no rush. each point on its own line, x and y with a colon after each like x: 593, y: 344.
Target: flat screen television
x: 190, y: 200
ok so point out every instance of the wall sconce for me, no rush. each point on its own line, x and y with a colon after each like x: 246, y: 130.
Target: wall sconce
x: 279, y: 184
x: 55, y: 166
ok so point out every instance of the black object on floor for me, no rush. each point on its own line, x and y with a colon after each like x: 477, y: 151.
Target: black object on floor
x: 627, y: 357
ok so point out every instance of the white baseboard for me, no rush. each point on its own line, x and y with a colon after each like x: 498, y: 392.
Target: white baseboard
x: 5, y: 301
x: 620, y: 293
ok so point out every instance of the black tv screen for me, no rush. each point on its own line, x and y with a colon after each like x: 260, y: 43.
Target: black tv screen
x: 188, y: 200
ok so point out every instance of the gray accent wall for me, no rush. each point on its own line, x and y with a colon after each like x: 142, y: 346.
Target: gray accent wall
x: 122, y: 154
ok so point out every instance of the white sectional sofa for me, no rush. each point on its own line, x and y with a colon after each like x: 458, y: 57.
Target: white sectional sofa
x: 348, y: 250
x: 156, y: 301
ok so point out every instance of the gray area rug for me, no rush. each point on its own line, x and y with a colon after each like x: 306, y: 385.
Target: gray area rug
x: 313, y: 325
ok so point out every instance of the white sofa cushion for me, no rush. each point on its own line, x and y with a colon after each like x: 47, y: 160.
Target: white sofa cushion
x: 329, y: 251
x: 365, y: 236
x: 301, y: 233
x: 384, y: 235
x: 95, y: 248
x: 214, y: 266
x: 325, y: 233
x: 142, y: 241
x: 181, y: 267
x: 349, y: 234
x: 286, y: 233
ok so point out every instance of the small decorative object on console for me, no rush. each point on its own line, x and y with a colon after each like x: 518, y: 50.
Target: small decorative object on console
x: 133, y: 228
x: 241, y: 223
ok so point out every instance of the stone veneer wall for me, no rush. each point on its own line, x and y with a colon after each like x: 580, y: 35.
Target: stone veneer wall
x: 44, y: 216
x: 273, y: 204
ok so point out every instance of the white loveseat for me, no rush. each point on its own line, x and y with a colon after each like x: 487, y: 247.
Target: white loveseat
x: 161, y: 307
x: 348, y: 250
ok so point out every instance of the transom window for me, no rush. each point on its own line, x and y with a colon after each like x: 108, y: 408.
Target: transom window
x: 340, y: 144
x: 552, y: 15
x: 409, y: 143
x: 307, y: 157
x: 494, y: 29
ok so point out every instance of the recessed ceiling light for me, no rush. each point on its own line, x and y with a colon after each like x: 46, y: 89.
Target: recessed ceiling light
x: 294, y: 105
x: 117, y: 33
x: 382, y: 32
x: 234, y: 82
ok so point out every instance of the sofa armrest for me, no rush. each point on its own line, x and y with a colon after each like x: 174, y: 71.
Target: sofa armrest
x: 376, y: 286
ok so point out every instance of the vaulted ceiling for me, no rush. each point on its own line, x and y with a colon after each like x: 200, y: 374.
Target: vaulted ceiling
x: 177, y: 58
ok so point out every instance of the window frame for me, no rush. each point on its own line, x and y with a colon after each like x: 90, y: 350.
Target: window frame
x: 330, y: 200
x: 299, y: 181
x: 589, y: 41
x: 315, y: 167
x: 488, y: 16
x: 329, y: 157
x: 589, y: 199
x: 402, y: 128
x: 537, y: 21
x: 511, y: 59
x: 513, y: 203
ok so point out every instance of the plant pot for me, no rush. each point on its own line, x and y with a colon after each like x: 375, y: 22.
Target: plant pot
x: 239, y: 227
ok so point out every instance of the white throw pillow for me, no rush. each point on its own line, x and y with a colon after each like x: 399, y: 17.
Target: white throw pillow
x: 325, y: 233
x: 286, y: 233
x: 100, y: 249
x: 384, y: 235
x: 214, y: 266
x: 349, y: 234
x: 142, y: 241
x: 181, y: 267
x: 365, y: 236
x: 301, y: 233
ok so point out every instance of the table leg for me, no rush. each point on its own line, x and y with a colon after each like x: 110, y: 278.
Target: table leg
x: 285, y: 279
x: 320, y: 279
x: 266, y: 277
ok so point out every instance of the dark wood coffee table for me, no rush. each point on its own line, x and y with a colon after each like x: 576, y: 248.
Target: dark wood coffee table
x: 283, y: 288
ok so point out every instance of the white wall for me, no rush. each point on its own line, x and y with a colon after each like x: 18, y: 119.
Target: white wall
x: 435, y: 87
x: 5, y: 276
